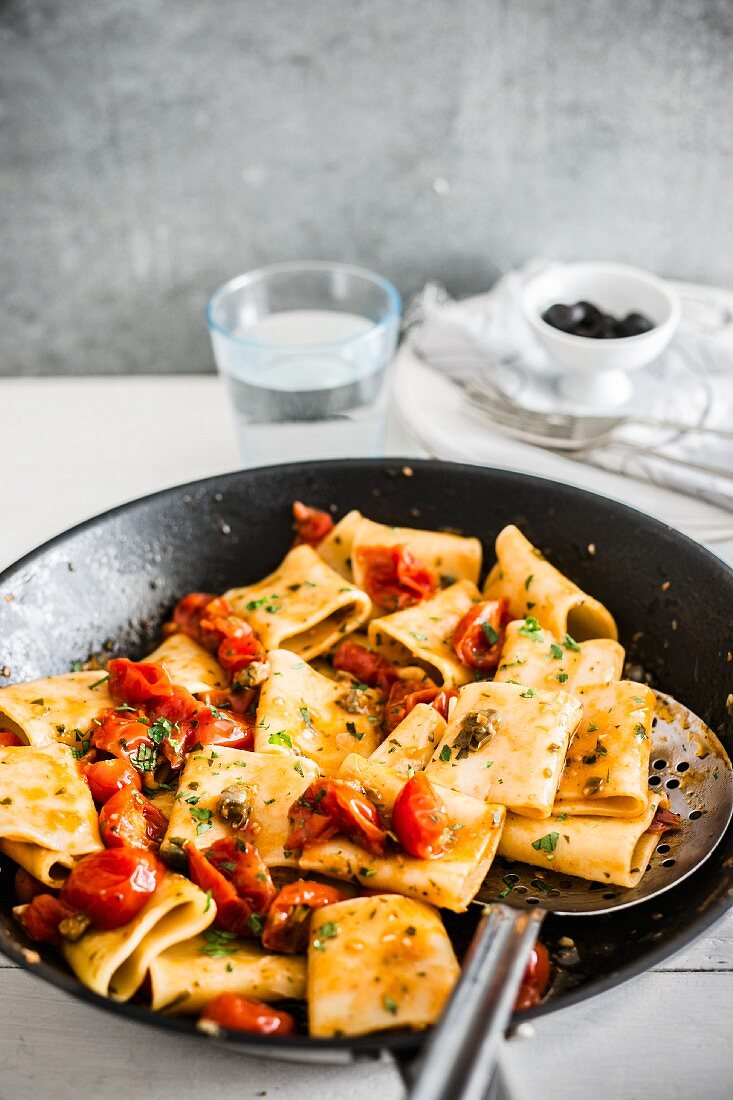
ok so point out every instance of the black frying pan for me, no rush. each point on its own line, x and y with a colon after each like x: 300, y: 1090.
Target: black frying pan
x: 115, y: 578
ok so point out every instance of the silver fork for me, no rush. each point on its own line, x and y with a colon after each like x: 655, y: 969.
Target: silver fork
x: 576, y: 433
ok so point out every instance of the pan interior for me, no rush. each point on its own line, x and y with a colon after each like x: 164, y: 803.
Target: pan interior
x: 689, y: 764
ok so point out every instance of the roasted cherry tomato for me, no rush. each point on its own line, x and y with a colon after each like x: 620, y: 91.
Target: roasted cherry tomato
x: 137, y: 682
x: 236, y: 1013
x: 239, y: 648
x: 331, y: 806
x: 394, y: 578
x: 197, y: 615
x: 43, y: 916
x: 663, y: 821
x: 311, y: 525
x: 27, y: 887
x: 536, y: 979
x: 479, y: 636
x: 404, y: 695
x: 123, y: 733
x: 242, y: 704
x: 112, y: 886
x: 128, y: 819
x: 177, y: 707
x: 212, y: 726
x: 419, y: 820
x: 106, y: 777
x: 188, y: 611
x: 240, y: 883
x: 369, y: 668
x: 288, y: 919
x: 8, y: 739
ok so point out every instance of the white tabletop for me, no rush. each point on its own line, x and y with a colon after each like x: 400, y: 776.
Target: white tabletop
x: 70, y: 448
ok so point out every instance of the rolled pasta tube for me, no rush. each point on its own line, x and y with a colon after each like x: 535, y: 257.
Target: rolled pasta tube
x: 58, y: 708
x: 304, y: 606
x: 50, y: 868
x: 536, y: 658
x: 602, y: 849
x: 410, y: 745
x: 607, y: 764
x: 185, y: 977
x: 424, y: 633
x: 44, y: 800
x: 271, y: 782
x: 506, y: 743
x: 321, y: 717
x: 377, y: 963
x: 189, y: 665
x: 114, y: 963
x: 450, y: 557
x: 336, y: 548
x: 535, y: 587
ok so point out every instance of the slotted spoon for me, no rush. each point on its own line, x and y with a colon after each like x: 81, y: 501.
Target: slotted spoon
x: 689, y: 764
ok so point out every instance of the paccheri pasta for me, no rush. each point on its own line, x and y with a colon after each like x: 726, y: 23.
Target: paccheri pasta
x: 276, y: 803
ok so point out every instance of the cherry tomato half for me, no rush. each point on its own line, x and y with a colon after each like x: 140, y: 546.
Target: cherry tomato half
x: 536, y: 979
x: 419, y: 820
x: 394, y: 578
x: 367, y: 667
x: 239, y: 647
x: 128, y: 819
x: 122, y: 733
x: 136, y: 682
x: 42, y: 918
x: 331, y: 806
x: 404, y: 695
x: 288, y: 919
x: 240, y: 883
x: 212, y: 726
x: 479, y: 636
x: 112, y: 886
x: 311, y: 525
x: 236, y: 1013
x: 8, y: 739
x: 106, y: 777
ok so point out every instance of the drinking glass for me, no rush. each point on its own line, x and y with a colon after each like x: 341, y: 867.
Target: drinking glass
x: 303, y: 349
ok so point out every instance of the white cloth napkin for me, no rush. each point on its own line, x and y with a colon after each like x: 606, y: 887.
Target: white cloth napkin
x: 692, y: 382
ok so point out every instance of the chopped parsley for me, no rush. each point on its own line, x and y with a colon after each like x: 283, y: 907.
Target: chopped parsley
x: 562, y: 677
x: 418, y: 636
x: 218, y: 943
x: 570, y: 643
x: 556, y: 651
x: 280, y: 738
x: 77, y: 666
x: 530, y: 692
x: 530, y: 628
x: 528, y: 582
x: 445, y: 754
x: 491, y: 635
x: 546, y: 843
x: 306, y: 717
x: 640, y: 732
x: 390, y: 1004
x: 327, y: 931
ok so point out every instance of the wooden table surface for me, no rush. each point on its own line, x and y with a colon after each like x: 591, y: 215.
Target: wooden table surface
x: 71, y: 448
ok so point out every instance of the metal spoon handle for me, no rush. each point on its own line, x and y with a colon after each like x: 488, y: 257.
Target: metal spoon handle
x: 460, y: 1056
x: 702, y: 429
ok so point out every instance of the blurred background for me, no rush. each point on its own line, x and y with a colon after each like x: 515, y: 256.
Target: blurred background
x: 151, y: 149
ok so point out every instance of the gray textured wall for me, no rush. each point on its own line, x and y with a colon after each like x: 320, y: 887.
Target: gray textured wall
x: 153, y: 148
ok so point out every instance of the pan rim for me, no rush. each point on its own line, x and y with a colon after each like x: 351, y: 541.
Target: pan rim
x: 364, y: 1047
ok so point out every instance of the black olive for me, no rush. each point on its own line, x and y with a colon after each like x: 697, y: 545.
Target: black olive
x: 634, y: 324
x: 560, y: 317
x: 590, y: 321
